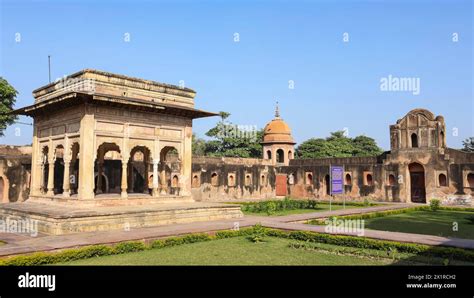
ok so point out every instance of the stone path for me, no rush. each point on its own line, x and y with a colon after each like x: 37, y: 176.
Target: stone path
x: 21, y: 244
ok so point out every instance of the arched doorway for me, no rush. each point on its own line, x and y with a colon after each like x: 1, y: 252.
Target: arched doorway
x: 280, y: 155
x: 108, y: 164
x: 74, y: 169
x: 417, y: 183
x: 414, y: 140
x: 327, y: 182
x: 44, y: 169
x: 58, y: 169
x: 170, y: 167
x: 138, y: 167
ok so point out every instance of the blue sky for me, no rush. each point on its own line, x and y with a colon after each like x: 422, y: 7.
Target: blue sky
x: 336, y: 83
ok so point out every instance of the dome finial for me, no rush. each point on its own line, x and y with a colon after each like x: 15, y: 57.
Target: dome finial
x: 277, y: 111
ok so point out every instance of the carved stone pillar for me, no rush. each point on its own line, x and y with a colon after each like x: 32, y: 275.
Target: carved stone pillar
x: 66, y: 186
x: 51, y: 177
x: 164, y: 185
x: 124, y: 185
x: 155, y: 177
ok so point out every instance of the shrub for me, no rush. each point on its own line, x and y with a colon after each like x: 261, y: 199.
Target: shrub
x: 366, y: 202
x: 271, y: 208
x: 131, y: 246
x: 43, y: 258
x: 258, y: 234
x: 390, y: 246
x: 434, y: 204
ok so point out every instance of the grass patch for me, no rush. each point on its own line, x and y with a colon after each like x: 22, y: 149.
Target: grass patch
x: 439, y: 223
x: 418, y: 220
x: 231, y: 251
x: 210, y: 253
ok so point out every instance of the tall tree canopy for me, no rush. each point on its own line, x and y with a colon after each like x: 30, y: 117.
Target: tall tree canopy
x: 468, y: 144
x: 229, y: 140
x: 7, y: 100
x: 338, y: 145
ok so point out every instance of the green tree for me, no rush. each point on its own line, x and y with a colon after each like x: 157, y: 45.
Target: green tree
x: 7, y: 100
x: 468, y: 144
x: 198, y: 146
x: 338, y: 145
x: 228, y: 140
x: 365, y: 146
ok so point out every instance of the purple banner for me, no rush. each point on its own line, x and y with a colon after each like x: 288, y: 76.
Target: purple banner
x: 337, y: 184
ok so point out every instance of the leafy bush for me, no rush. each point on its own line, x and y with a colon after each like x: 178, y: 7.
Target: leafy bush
x: 435, y: 204
x: 131, y: 246
x: 258, y: 234
x: 43, y: 258
x: 366, y: 243
x: 270, y: 207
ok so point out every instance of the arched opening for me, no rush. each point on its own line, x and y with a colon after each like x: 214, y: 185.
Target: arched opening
x: 248, y: 180
x: 280, y: 156
x: 263, y: 180
x: 442, y: 180
x: 417, y: 183
x: 104, y: 183
x: 327, y: 182
x: 290, y: 154
x: 175, y: 181
x: 414, y: 140
x: 58, y: 169
x: 195, y: 183
x: 108, y: 164
x: 138, y: 170
x: 269, y: 154
x: 470, y: 180
x: 391, y: 180
x: 348, y: 179
x: 74, y: 169
x: 45, y: 168
x: 441, y: 141
x: 170, y: 166
x: 370, y: 180
x: 231, y: 180
x: 214, y: 179
x: 309, y: 178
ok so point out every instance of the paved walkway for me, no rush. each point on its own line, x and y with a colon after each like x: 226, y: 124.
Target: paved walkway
x: 21, y: 244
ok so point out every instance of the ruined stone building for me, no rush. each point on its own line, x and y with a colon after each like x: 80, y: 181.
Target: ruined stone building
x: 129, y: 137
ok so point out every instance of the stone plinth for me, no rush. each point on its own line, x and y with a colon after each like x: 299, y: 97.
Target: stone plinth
x: 58, y: 218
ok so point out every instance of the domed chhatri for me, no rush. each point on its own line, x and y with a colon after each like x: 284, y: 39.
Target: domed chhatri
x: 278, y: 144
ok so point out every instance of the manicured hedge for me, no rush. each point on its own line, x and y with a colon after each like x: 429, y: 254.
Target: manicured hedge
x: 273, y: 206
x: 361, y: 242
x: 44, y: 258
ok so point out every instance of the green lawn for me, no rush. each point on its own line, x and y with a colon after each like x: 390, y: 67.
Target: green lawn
x: 439, y: 223
x: 232, y: 251
x: 320, y: 208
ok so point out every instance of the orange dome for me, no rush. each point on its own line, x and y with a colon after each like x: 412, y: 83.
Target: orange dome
x: 277, y: 131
